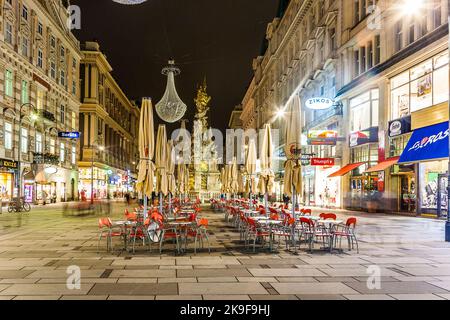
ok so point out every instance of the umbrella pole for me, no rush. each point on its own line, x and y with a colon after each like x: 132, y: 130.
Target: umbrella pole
x: 145, y: 207
x: 161, y: 202
x: 170, y: 203
x: 266, y: 200
x: 294, y: 242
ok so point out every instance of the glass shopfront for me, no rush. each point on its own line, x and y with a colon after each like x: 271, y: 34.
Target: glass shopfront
x: 433, y: 193
x: 100, y: 183
x: 327, y: 189
x: 420, y: 87
x: 6, y: 186
x: 45, y: 190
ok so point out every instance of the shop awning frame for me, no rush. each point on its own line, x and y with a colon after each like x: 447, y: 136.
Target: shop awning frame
x: 345, y: 170
x: 383, y: 165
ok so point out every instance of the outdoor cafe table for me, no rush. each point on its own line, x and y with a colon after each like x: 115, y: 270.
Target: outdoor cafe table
x: 329, y: 225
x: 125, y: 226
x: 270, y: 223
x: 181, y: 226
x: 250, y: 213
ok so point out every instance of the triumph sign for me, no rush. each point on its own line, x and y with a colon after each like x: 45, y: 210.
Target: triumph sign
x: 319, y: 103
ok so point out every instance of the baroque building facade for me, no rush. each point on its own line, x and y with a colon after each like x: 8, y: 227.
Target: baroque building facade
x: 39, y: 100
x: 384, y: 67
x: 109, y: 124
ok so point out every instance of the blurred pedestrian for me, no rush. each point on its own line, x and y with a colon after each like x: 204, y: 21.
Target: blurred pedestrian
x: 44, y: 197
x: 127, y: 198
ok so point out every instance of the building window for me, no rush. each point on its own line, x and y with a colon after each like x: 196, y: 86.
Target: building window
x: 411, y: 31
x: 52, y: 146
x: 437, y: 14
x: 62, y: 113
x: 62, y: 152
x: 40, y: 99
x: 333, y: 44
x: 74, y: 121
x: 40, y: 59
x: 74, y: 155
x: 25, y: 92
x: 62, y: 79
x: 356, y: 16
x: 25, y: 13
x: 53, y: 70
x: 398, y: 145
x: 399, y: 35
x: 370, y: 55
x: 9, y: 33
x: 9, y: 83
x: 420, y: 87
x: 62, y: 52
x: 25, y: 47
x: 38, y: 143
x: 8, y: 136
x: 423, y: 26
x: 74, y: 63
x: 377, y: 57
x: 24, y: 141
x: 356, y: 62
x: 40, y: 29
x: 74, y: 87
x: 364, y: 111
x: 362, y: 52
x: 53, y: 42
x: 367, y: 153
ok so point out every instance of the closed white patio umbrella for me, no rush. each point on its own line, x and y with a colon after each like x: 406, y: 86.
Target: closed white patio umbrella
x: 250, y: 167
x: 266, y: 177
x: 161, y: 163
x: 293, y: 170
x: 146, y: 170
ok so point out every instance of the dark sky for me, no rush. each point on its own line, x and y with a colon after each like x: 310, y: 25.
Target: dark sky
x: 213, y: 38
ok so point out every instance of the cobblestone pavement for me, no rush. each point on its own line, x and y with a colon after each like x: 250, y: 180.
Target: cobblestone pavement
x: 37, y: 248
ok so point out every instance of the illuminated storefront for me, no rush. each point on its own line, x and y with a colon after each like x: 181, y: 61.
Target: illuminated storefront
x: 8, y: 171
x: 99, y: 182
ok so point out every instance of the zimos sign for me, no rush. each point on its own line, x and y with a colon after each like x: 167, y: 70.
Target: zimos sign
x: 319, y: 103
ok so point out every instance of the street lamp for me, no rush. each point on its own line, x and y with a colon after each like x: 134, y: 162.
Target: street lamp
x: 33, y: 116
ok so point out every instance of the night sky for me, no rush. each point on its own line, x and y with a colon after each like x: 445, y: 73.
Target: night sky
x: 216, y: 39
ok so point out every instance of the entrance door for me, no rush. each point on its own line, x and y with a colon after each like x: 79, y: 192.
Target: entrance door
x: 407, y: 193
x: 442, y: 203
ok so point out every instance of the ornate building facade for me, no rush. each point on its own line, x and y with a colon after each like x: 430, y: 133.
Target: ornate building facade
x: 109, y: 124
x: 383, y: 66
x: 39, y: 100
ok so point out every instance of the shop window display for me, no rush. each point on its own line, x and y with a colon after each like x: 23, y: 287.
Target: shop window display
x: 421, y: 87
x: 430, y: 173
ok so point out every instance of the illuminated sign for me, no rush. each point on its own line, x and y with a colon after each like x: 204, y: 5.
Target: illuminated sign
x: 319, y: 103
x: 325, y: 162
x: 362, y: 137
x: 322, y: 137
x: 9, y: 164
x: 69, y: 135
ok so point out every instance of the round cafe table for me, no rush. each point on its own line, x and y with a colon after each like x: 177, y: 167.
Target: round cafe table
x: 270, y: 223
x: 181, y: 226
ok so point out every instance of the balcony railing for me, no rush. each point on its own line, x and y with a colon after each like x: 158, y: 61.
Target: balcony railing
x: 46, y: 115
x: 45, y: 158
x: 336, y: 110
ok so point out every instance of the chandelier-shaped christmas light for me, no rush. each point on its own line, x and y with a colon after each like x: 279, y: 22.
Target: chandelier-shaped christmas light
x: 171, y: 108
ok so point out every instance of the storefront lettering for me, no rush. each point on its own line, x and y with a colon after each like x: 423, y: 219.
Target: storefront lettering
x: 8, y: 164
x: 426, y: 141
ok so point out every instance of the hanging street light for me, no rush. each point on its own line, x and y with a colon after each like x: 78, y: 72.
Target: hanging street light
x: 171, y: 108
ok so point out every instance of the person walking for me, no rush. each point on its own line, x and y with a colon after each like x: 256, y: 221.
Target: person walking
x: 44, y: 197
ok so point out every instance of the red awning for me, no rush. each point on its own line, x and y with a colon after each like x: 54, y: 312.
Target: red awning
x: 383, y: 165
x: 345, y: 170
